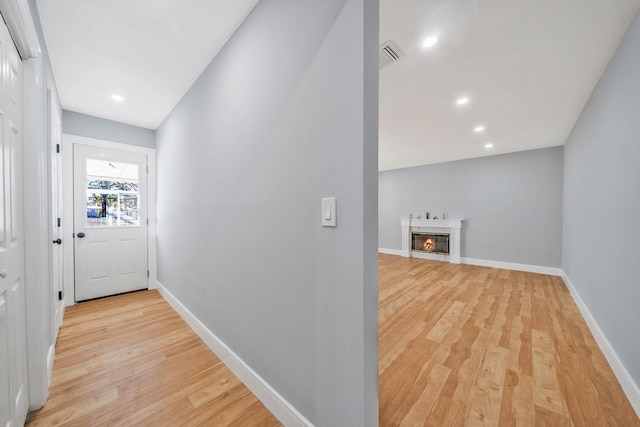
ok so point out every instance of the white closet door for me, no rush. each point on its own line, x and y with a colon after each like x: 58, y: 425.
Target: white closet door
x: 14, y: 400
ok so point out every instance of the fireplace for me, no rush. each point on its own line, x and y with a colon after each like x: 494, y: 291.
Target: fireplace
x: 435, y: 243
x: 434, y: 239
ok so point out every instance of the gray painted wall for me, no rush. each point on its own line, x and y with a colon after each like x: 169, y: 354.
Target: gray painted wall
x: 601, y: 239
x: 511, y: 204
x: 95, y: 127
x: 283, y: 116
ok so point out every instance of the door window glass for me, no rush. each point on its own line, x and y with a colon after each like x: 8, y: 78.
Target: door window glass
x: 112, y: 194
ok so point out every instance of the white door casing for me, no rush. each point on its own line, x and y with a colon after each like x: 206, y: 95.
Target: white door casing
x: 110, y: 239
x: 68, y: 143
x: 14, y: 399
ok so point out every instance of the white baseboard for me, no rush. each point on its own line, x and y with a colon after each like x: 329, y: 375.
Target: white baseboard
x: 289, y: 416
x: 529, y: 268
x: 390, y: 251
x: 627, y: 383
x: 51, y: 356
x: 278, y: 405
x: 63, y: 309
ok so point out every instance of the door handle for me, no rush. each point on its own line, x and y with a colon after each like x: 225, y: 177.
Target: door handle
x: 81, y: 235
x: 58, y: 241
x: 3, y: 273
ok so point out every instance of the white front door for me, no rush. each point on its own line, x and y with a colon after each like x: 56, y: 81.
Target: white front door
x: 14, y: 400
x: 110, y: 222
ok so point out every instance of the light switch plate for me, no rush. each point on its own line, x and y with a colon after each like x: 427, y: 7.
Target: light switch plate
x: 329, y: 212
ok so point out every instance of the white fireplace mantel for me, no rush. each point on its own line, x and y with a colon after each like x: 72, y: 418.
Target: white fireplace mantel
x: 432, y: 226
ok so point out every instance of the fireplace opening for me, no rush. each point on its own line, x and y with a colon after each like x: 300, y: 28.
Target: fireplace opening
x: 430, y: 242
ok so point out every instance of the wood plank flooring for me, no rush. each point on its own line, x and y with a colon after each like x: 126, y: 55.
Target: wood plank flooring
x: 459, y: 346
x: 462, y: 345
x: 131, y: 360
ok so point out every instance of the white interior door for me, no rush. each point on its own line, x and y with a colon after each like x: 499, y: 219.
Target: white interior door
x: 57, y: 265
x: 14, y: 400
x: 110, y: 222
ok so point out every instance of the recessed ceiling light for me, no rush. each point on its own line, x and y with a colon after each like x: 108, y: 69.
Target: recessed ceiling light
x: 462, y: 101
x: 117, y: 98
x: 488, y: 145
x: 478, y: 129
x: 430, y: 41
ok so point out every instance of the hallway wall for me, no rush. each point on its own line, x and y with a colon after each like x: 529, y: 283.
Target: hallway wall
x: 98, y: 128
x: 285, y: 115
x: 602, y: 204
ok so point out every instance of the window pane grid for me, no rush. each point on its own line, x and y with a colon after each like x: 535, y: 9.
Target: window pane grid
x: 112, y: 194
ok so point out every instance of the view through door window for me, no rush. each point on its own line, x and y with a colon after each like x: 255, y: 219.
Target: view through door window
x: 112, y: 194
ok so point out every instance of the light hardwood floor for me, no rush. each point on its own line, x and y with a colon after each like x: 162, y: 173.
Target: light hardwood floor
x: 466, y: 345
x: 131, y: 360
x: 459, y: 345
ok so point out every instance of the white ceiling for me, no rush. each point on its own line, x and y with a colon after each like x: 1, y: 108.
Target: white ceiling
x: 528, y: 67
x: 148, y: 51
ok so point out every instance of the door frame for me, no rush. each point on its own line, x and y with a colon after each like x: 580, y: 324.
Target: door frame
x: 68, y: 143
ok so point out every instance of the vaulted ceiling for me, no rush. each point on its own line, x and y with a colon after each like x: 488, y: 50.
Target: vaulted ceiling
x: 149, y: 52
x: 526, y: 67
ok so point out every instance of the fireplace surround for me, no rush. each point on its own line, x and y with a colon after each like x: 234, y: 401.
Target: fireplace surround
x: 444, y: 234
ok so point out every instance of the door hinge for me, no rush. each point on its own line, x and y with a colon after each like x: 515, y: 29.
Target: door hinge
x: 59, y: 295
x: 147, y: 273
x: 59, y: 222
x: 57, y: 148
x: 147, y: 221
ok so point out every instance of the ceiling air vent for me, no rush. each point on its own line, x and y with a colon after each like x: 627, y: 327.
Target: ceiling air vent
x: 388, y: 54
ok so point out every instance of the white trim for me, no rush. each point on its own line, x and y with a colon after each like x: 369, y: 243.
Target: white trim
x: 68, y: 142
x: 67, y: 216
x: 627, y: 383
x: 51, y: 356
x: 278, y: 405
x: 17, y: 15
x: 390, y: 251
x: 60, y: 318
x: 529, y: 268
